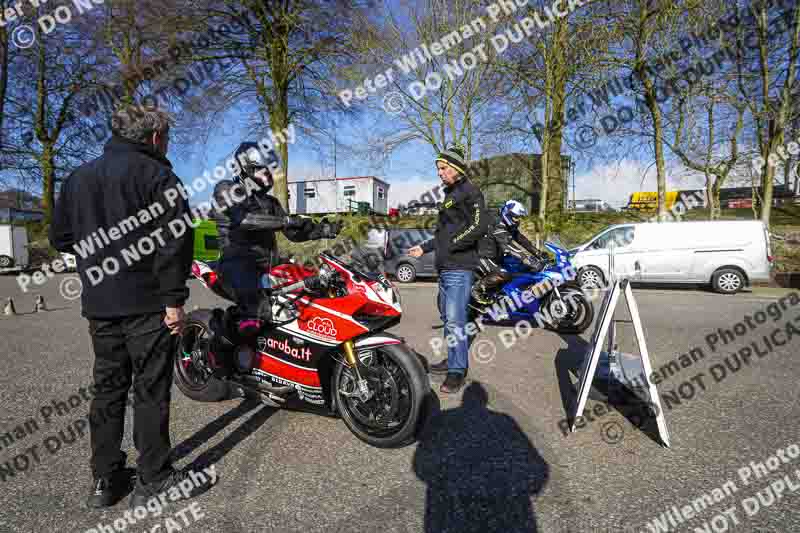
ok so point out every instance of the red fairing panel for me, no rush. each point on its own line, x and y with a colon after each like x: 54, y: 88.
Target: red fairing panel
x: 331, y: 318
x: 288, y: 371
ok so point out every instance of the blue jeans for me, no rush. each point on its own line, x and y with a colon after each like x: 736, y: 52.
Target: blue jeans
x: 454, y: 294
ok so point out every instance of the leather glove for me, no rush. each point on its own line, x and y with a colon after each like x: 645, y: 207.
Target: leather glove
x: 330, y: 229
x: 295, y: 221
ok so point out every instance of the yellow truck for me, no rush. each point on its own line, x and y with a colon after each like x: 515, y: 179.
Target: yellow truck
x: 648, y: 201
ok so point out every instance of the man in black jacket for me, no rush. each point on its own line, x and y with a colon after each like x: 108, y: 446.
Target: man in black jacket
x: 461, y: 224
x: 114, y: 214
x: 247, y: 220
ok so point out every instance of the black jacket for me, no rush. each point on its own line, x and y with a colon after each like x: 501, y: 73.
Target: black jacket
x: 500, y: 241
x: 115, y: 211
x: 461, y: 224
x: 247, y: 222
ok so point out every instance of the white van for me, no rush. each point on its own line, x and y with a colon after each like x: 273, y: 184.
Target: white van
x: 727, y: 254
x: 13, y: 246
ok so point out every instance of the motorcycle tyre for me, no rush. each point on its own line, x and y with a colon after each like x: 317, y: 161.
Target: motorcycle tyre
x: 420, y: 389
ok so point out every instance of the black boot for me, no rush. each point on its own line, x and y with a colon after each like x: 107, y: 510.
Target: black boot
x: 440, y: 367
x: 453, y: 383
x: 107, y: 491
x: 479, y: 294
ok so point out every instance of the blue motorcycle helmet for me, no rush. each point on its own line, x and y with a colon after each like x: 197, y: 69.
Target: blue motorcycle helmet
x: 511, y: 212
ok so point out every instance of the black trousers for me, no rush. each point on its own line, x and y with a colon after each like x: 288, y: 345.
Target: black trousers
x: 242, y: 273
x: 136, y: 350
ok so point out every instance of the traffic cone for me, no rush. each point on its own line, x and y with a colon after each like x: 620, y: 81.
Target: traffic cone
x: 40, y: 305
x: 9, y: 307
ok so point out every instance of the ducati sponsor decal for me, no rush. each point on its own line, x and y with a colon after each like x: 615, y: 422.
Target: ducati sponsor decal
x: 309, y: 397
x: 262, y: 344
x: 303, y: 354
x: 322, y: 326
x: 304, y: 392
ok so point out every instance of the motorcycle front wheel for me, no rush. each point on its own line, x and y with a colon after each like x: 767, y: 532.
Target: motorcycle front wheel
x: 398, y: 386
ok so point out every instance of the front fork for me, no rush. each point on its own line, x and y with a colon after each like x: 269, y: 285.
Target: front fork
x: 350, y: 358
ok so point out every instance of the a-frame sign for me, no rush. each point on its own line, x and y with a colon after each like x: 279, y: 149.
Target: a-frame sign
x: 622, y: 365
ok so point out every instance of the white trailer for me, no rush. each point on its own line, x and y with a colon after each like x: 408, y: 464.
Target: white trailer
x: 339, y: 195
x: 13, y: 247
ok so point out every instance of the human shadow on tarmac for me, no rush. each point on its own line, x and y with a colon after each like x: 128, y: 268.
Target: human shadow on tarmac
x: 569, y: 360
x: 480, y: 469
x: 214, y: 454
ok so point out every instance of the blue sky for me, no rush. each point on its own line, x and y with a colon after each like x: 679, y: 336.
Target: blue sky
x: 411, y: 170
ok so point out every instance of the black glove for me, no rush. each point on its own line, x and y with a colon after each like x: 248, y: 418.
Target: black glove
x: 295, y: 221
x: 330, y: 229
x: 314, y: 283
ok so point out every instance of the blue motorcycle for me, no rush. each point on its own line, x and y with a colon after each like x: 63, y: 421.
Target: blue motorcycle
x: 550, y: 297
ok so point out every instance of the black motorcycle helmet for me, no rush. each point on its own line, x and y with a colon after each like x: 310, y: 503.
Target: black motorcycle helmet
x: 250, y: 158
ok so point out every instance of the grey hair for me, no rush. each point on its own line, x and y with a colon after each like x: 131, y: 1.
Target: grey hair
x: 139, y: 122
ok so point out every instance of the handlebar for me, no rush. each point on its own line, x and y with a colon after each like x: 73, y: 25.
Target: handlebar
x: 310, y: 283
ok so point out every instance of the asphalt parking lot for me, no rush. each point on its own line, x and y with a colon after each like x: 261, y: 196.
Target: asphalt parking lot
x: 491, y: 458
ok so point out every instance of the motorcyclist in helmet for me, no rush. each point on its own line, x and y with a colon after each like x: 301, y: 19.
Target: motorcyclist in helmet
x: 504, y: 238
x: 247, y: 220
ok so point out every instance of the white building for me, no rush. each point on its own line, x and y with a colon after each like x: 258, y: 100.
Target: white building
x: 339, y: 195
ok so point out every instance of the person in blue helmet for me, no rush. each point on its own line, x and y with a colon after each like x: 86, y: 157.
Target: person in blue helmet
x: 503, y: 238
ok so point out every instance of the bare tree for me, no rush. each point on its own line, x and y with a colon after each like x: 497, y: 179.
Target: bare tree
x: 702, y: 147
x: 4, y: 76
x: 443, y: 74
x: 768, y: 93
x: 287, y: 54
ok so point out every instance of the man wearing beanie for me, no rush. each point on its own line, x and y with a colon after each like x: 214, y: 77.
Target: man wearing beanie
x: 461, y: 224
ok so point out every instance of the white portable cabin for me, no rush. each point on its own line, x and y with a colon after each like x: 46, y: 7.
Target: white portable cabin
x: 13, y: 246
x: 339, y: 195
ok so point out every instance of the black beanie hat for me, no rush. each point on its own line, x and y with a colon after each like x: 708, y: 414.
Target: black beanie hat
x: 453, y: 156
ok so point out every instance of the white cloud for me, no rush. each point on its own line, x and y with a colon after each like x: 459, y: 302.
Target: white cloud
x: 615, y: 182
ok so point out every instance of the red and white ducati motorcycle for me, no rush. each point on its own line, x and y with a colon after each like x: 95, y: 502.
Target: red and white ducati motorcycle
x: 326, y: 349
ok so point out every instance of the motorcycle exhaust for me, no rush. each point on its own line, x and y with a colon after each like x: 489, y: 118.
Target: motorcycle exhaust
x: 266, y: 388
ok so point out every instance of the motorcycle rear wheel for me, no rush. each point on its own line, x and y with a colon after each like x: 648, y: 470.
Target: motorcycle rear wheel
x: 191, y: 363
x: 580, y: 312
x: 398, y: 385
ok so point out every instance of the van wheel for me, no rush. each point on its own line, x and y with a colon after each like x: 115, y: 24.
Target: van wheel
x: 6, y: 262
x: 727, y: 281
x: 405, y: 273
x: 591, y: 277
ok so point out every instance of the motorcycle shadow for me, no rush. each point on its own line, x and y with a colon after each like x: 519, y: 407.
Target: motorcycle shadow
x: 242, y: 432
x: 568, y: 363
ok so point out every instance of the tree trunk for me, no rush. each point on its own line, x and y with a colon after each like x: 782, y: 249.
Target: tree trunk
x: 543, y: 167
x: 3, y: 77
x: 279, y: 121
x: 658, y: 145
x: 558, y: 87
x: 48, y: 165
x: 555, y: 176
x: 713, y: 201
x: 710, y: 197
x: 766, y: 192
